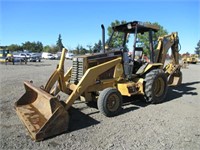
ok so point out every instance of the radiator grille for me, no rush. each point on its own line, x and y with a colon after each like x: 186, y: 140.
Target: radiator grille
x: 77, y: 70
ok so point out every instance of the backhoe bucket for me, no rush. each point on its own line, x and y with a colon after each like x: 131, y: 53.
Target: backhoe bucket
x: 175, y: 79
x: 43, y: 115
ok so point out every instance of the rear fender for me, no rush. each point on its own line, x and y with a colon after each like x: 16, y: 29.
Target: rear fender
x: 148, y: 67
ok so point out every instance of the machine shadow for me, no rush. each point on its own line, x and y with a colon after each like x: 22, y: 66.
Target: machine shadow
x: 77, y: 121
x: 80, y: 120
x: 133, y: 103
x: 181, y: 90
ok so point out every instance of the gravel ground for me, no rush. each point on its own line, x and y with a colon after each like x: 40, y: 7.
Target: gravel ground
x: 173, y: 124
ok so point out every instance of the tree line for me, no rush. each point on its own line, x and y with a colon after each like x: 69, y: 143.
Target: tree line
x: 97, y: 47
x: 38, y: 47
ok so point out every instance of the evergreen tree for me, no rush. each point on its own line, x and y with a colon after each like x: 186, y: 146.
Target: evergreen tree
x: 197, y: 49
x: 59, y: 43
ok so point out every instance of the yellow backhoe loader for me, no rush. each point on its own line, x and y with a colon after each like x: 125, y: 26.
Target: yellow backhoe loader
x: 104, y: 77
x: 192, y: 59
x: 6, y: 56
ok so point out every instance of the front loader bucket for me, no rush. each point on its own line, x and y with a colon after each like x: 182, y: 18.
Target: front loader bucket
x: 42, y: 114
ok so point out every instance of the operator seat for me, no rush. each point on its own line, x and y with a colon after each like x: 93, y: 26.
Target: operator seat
x: 138, y: 62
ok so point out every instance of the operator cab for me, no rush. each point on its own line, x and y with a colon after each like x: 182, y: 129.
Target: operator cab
x: 133, y: 58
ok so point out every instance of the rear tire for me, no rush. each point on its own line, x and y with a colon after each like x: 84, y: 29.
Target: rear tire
x: 155, y: 86
x: 110, y: 102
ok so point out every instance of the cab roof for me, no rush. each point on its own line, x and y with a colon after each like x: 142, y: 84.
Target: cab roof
x: 130, y: 27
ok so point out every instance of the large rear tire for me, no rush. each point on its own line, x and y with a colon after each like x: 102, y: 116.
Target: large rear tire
x: 155, y: 86
x: 110, y: 102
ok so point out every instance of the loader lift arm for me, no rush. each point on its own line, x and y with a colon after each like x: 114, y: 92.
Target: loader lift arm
x: 58, y: 76
x: 89, y: 79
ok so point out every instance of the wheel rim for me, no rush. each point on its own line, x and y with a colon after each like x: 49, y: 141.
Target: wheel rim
x: 113, y: 102
x: 159, y: 87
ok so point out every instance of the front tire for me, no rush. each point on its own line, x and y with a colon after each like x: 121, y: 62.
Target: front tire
x: 110, y: 102
x: 155, y: 86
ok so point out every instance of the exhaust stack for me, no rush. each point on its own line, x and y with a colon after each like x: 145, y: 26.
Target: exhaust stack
x: 103, y: 37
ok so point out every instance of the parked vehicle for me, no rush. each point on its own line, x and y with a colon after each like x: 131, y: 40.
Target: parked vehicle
x: 22, y: 57
x: 190, y: 59
x: 57, y: 55
x: 34, y: 57
x: 69, y: 55
x: 47, y: 55
x: 44, y: 55
x: 50, y: 56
